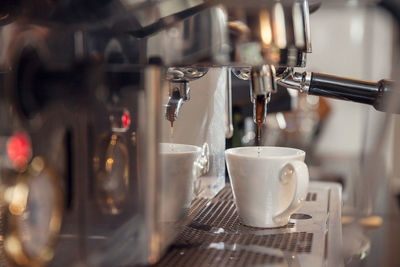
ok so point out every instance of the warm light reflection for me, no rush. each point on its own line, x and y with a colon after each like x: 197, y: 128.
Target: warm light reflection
x: 240, y: 29
x: 47, y: 254
x: 37, y: 164
x: 5, y: 16
x: 55, y: 222
x: 371, y: 221
x: 109, y: 164
x: 19, y: 199
x: 298, y: 26
x: 13, y: 247
x: 280, y: 118
x: 279, y: 26
x: 8, y: 194
x: 113, y: 141
x: 265, y: 27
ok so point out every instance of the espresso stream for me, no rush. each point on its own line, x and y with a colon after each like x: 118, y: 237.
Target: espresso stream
x: 171, y: 138
x: 260, y: 112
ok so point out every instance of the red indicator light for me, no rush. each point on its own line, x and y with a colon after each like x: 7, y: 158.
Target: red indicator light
x: 19, y: 150
x: 126, y: 119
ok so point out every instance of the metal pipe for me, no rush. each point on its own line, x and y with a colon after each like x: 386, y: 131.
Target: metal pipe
x: 150, y: 175
x: 228, y: 105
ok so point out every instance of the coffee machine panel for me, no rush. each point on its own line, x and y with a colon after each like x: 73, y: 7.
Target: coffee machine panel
x: 90, y: 103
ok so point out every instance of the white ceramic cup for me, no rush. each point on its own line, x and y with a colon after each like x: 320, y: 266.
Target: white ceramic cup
x: 269, y: 183
x: 177, y: 177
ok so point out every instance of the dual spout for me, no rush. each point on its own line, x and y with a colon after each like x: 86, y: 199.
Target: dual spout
x: 179, y: 89
x: 262, y: 84
x: 179, y: 92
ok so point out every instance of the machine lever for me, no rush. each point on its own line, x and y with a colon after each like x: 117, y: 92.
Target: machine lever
x: 360, y: 91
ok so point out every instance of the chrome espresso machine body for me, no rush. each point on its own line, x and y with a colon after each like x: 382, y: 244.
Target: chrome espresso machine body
x: 92, y: 91
x: 81, y: 124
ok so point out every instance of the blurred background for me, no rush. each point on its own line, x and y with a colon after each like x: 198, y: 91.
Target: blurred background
x: 360, y: 43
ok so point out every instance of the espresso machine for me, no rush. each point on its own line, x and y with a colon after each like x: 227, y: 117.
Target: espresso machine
x: 92, y: 91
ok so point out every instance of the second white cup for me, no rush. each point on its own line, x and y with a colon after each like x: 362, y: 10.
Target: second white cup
x: 269, y: 183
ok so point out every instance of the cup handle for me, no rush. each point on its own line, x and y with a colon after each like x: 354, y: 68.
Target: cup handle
x: 297, y: 171
x: 201, y: 167
x: 202, y: 164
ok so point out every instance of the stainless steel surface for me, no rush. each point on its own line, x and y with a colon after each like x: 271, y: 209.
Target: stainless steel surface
x: 186, y: 74
x: 228, y: 105
x: 263, y: 80
x: 306, y: 81
x: 277, y: 34
x: 242, y: 73
x: 295, y: 80
x: 179, y: 90
x: 178, y: 94
x: 268, y: 32
x: 307, y: 26
x: 202, y: 122
x: 141, y: 17
x: 215, y: 237
x: 201, y: 39
x: 163, y: 11
x: 149, y: 172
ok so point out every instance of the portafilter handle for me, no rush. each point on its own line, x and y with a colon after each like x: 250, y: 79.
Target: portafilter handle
x: 360, y: 91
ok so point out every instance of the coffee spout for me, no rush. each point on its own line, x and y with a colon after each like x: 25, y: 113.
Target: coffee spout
x: 178, y: 94
x: 179, y: 90
x: 262, y: 85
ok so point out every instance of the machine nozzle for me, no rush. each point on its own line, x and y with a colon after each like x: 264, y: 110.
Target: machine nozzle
x: 262, y: 85
x: 178, y: 94
x: 295, y: 80
x: 179, y: 90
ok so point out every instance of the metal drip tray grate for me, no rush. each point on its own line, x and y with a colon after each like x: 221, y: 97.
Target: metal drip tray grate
x: 293, y: 242
x: 222, y: 214
x: 226, y: 194
x: 215, y: 236
x: 217, y: 257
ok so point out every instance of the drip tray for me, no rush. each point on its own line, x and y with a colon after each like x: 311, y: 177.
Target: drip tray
x: 215, y: 237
